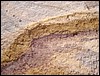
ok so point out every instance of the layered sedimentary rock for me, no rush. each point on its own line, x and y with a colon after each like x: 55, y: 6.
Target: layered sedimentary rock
x: 66, y: 44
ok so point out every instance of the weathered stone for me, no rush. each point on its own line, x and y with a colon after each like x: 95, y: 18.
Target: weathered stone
x: 64, y: 44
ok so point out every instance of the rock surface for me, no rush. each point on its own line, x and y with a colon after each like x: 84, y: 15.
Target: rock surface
x: 64, y: 44
x: 60, y: 53
x: 16, y: 15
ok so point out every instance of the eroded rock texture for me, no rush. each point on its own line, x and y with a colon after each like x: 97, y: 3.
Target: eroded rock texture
x: 63, y: 45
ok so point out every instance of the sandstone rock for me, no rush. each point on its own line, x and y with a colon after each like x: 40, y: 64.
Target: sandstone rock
x: 66, y: 43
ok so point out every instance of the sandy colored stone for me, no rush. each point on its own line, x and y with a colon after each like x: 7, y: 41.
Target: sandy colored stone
x: 64, y: 44
x: 16, y: 15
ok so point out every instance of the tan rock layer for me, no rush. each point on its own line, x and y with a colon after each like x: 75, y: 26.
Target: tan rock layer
x: 66, y: 24
x: 57, y: 54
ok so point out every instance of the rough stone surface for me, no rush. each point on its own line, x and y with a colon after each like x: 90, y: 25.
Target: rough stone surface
x: 66, y: 43
x: 16, y: 15
x: 56, y: 51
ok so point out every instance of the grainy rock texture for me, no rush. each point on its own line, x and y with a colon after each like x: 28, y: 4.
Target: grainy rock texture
x: 65, y: 44
x: 16, y: 15
x: 58, y: 54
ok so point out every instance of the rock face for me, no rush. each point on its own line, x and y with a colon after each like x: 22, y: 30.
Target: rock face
x: 64, y: 44
x: 17, y: 14
x: 58, y: 54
